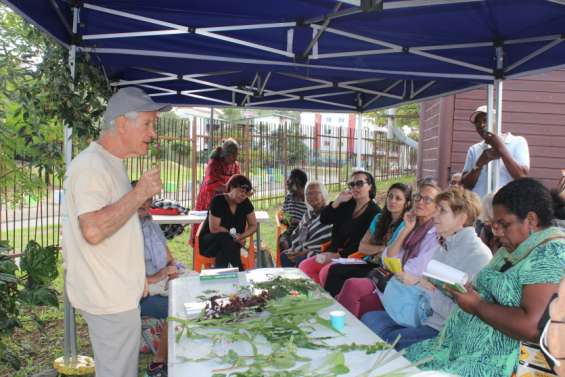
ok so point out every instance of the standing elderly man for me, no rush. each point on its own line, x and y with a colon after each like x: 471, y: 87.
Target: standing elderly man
x: 509, y: 152
x: 102, y: 239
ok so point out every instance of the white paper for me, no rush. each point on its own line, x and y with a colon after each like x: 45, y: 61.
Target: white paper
x: 198, y: 213
x: 448, y: 274
x: 348, y: 261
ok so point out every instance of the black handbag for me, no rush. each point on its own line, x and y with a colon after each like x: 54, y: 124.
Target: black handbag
x: 380, y: 277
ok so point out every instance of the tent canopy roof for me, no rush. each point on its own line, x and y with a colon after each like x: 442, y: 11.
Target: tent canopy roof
x: 308, y: 54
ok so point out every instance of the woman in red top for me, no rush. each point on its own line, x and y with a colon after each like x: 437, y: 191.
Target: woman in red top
x: 221, y: 166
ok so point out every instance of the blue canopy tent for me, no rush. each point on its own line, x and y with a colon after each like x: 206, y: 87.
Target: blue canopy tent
x: 325, y: 55
x: 308, y: 55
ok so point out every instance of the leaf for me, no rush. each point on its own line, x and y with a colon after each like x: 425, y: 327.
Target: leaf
x: 8, y: 278
x: 40, y: 264
x: 40, y: 296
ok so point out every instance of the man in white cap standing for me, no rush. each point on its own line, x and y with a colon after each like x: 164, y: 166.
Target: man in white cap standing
x: 102, y: 239
x: 510, y: 152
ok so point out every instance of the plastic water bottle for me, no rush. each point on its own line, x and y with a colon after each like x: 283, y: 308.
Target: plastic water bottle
x: 233, y: 232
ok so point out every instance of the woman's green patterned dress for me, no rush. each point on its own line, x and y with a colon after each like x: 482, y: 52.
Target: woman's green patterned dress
x: 467, y: 346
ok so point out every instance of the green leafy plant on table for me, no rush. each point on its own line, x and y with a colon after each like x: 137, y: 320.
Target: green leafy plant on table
x: 285, y: 322
x: 28, y: 284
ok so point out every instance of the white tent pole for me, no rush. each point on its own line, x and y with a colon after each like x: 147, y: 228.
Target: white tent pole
x: 211, y: 131
x: 69, y: 340
x: 498, y: 131
x: 359, y: 138
x: 490, y: 100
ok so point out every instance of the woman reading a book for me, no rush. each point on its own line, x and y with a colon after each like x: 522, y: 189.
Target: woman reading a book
x: 461, y: 248
x: 350, y: 215
x: 231, y: 219
x: 507, y: 299
x: 407, y: 256
x: 382, y: 232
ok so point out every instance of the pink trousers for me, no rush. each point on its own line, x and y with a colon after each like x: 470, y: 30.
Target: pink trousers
x: 315, y: 271
x: 357, y: 296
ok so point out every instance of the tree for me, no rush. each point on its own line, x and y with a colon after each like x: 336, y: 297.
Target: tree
x: 297, y: 151
x: 37, y: 97
x: 408, y: 115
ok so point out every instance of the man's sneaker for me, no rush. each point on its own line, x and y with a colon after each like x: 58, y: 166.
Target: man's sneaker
x: 156, y: 370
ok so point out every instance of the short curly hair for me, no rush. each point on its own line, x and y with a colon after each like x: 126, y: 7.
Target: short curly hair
x: 525, y: 195
x: 461, y: 200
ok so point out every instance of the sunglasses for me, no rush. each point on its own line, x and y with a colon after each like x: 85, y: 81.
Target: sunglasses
x: 425, y: 199
x: 358, y: 183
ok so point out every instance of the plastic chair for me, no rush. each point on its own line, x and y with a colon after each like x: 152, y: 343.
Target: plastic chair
x: 201, y: 261
x: 357, y: 255
x: 280, y: 229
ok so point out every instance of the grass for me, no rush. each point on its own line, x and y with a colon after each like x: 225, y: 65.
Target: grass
x: 40, y: 339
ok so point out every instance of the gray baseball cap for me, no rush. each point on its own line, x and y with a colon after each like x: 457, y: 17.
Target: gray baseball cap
x: 130, y: 99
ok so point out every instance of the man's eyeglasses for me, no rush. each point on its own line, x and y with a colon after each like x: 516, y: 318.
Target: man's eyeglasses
x: 358, y: 183
x: 425, y: 199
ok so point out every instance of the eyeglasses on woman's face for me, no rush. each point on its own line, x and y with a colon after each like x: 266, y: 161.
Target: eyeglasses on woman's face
x: 357, y: 184
x: 426, y: 199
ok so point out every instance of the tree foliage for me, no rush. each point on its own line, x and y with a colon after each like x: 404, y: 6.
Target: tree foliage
x: 37, y: 98
x: 406, y: 115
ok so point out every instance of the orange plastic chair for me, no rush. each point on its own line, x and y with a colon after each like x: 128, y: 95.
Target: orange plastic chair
x: 325, y: 246
x: 200, y: 261
x: 280, y: 228
x: 357, y: 255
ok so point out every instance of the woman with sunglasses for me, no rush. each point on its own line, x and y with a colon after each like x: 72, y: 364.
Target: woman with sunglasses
x: 506, y: 301
x: 382, y: 232
x: 350, y: 215
x: 413, y: 249
x: 231, y: 219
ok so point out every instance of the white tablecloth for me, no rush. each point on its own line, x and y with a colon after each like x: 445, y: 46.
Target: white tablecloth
x: 184, y: 290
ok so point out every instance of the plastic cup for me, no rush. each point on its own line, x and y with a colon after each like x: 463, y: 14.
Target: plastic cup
x: 337, y: 320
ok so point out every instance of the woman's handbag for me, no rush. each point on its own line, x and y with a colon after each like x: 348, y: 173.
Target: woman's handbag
x: 406, y: 304
x: 380, y: 277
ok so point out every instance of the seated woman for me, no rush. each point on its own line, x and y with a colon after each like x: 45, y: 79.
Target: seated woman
x: 413, y: 247
x: 294, y: 206
x: 221, y: 166
x: 159, y: 268
x: 350, y: 214
x: 311, y: 234
x: 506, y: 301
x: 382, y: 232
x: 231, y: 219
x: 461, y: 248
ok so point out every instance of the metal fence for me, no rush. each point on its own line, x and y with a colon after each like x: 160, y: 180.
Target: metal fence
x: 268, y: 153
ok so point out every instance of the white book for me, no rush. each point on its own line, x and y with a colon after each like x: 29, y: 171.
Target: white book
x: 441, y: 274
